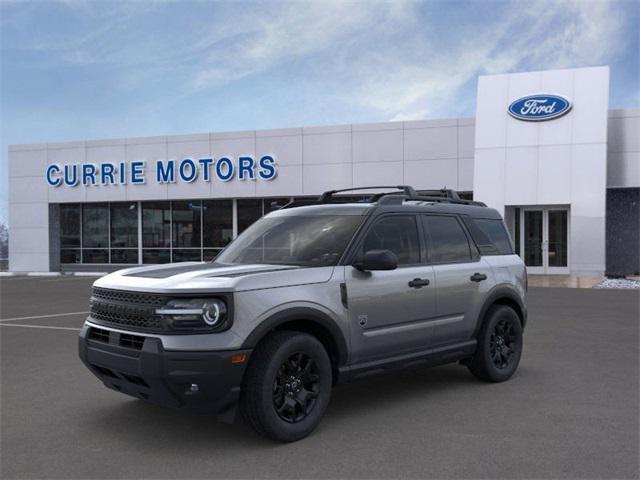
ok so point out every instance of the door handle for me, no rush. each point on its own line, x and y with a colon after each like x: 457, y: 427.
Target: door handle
x: 478, y: 277
x: 419, y: 282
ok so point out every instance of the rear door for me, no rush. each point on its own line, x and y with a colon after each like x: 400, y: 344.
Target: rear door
x: 461, y: 277
x: 389, y: 316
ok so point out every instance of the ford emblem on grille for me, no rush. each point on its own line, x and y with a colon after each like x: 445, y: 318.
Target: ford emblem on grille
x: 540, y: 107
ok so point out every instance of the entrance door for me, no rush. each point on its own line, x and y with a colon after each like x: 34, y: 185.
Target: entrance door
x: 544, y: 239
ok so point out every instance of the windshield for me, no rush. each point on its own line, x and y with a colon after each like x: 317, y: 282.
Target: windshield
x: 314, y: 240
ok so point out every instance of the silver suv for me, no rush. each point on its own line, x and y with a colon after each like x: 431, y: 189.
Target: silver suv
x: 310, y: 296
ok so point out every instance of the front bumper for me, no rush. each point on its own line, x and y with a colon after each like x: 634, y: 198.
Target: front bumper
x: 138, y: 365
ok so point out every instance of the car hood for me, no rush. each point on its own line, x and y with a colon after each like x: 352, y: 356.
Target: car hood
x: 193, y: 277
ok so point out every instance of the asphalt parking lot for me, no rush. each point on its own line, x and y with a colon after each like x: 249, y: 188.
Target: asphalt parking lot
x: 572, y: 410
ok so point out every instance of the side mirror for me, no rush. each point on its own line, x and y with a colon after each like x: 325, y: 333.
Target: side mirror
x: 377, y: 260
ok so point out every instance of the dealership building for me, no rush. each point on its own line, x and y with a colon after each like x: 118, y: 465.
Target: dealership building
x: 544, y: 149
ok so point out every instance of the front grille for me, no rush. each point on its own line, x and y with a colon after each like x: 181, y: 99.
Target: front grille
x: 126, y: 309
x: 135, y: 298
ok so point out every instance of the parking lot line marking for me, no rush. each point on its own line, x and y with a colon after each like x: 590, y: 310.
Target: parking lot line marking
x: 38, y: 326
x: 42, y: 316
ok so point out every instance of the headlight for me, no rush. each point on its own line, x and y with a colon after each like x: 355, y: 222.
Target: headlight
x: 195, y: 314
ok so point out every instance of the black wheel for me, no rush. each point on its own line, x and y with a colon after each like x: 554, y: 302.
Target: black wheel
x: 499, y: 345
x: 287, y: 386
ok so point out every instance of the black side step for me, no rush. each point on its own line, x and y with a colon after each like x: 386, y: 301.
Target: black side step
x: 431, y: 357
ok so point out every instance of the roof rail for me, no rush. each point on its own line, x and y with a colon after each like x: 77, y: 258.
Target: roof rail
x: 398, y: 196
x: 406, y: 189
x: 443, y: 192
x: 395, y: 199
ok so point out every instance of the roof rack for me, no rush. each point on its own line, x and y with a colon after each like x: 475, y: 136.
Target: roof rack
x: 399, y: 195
x: 395, y: 199
x: 327, y: 196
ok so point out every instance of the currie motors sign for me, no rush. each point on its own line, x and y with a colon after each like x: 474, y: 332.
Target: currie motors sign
x: 540, y: 107
x: 187, y: 170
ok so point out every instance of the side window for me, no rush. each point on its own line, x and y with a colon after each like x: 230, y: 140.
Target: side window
x: 446, y: 240
x: 495, y: 230
x: 398, y: 234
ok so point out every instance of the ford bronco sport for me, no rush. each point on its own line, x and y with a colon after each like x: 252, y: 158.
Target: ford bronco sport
x: 311, y: 296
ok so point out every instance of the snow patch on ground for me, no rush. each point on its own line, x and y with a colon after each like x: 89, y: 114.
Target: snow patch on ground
x: 618, y: 283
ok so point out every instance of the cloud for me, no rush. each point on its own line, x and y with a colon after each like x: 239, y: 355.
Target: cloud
x: 295, y: 31
x: 401, y: 59
x: 536, y: 35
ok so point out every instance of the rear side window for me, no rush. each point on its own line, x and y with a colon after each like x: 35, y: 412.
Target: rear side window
x: 398, y: 233
x: 494, y: 230
x: 446, y: 240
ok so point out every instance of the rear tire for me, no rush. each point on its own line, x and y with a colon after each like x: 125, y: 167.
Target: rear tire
x: 287, y: 386
x: 499, y: 345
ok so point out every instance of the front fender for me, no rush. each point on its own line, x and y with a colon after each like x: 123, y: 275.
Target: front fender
x: 296, y: 312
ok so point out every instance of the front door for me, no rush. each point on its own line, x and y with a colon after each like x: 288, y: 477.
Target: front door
x: 544, y: 239
x: 389, y: 310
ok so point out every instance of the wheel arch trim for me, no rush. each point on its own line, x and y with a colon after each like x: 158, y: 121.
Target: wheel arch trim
x: 507, y: 295
x: 301, y: 314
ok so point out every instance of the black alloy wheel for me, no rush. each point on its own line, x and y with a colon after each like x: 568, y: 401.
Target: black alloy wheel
x: 499, y: 346
x: 296, y: 387
x: 287, y: 385
x: 502, y: 344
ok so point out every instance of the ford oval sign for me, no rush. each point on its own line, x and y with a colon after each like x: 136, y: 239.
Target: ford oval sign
x: 536, y: 108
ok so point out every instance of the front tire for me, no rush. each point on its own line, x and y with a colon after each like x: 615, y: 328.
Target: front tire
x: 499, y: 345
x: 287, y: 386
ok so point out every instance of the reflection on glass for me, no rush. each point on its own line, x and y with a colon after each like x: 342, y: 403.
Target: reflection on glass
x: 249, y: 210
x: 273, y: 204
x: 69, y: 226
x: 186, y: 224
x: 95, y: 226
x: 398, y: 234
x: 317, y: 240
x: 217, y: 222
x: 95, y: 256
x: 124, y: 225
x: 533, y: 238
x: 126, y: 255
x: 156, y: 255
x: 208, y: 254
x: 156, y: 224
x: 185, y: 255
x: 446, y: 240
x: 70, y: 255
x: 558, y: 238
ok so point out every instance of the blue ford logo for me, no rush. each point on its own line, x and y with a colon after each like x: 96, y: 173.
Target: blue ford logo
x: 536, y: 108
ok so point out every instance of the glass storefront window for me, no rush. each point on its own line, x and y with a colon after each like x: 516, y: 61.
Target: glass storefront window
x: 217, y: 223
x: 68, y: 255
x: 272, y: 204
x: 124, y: 225
x: 186, y: 224
x: 156, y: 224
x: 69, y: 226
x: 158, y: 255
x: 95, y: 225
x: 186, y: 255
x: 172, y: 231
x: 208, y: 254
x: 126, y: 255
x: 90, y: 255
x: 249, y: 210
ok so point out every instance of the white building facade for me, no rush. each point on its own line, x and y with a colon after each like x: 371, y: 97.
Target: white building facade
x: 544, y: 149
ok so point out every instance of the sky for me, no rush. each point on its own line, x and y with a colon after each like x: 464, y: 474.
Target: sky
x: 73, y: 70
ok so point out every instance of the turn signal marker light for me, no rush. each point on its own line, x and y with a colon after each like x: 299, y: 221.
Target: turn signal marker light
x: 238, y: 358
